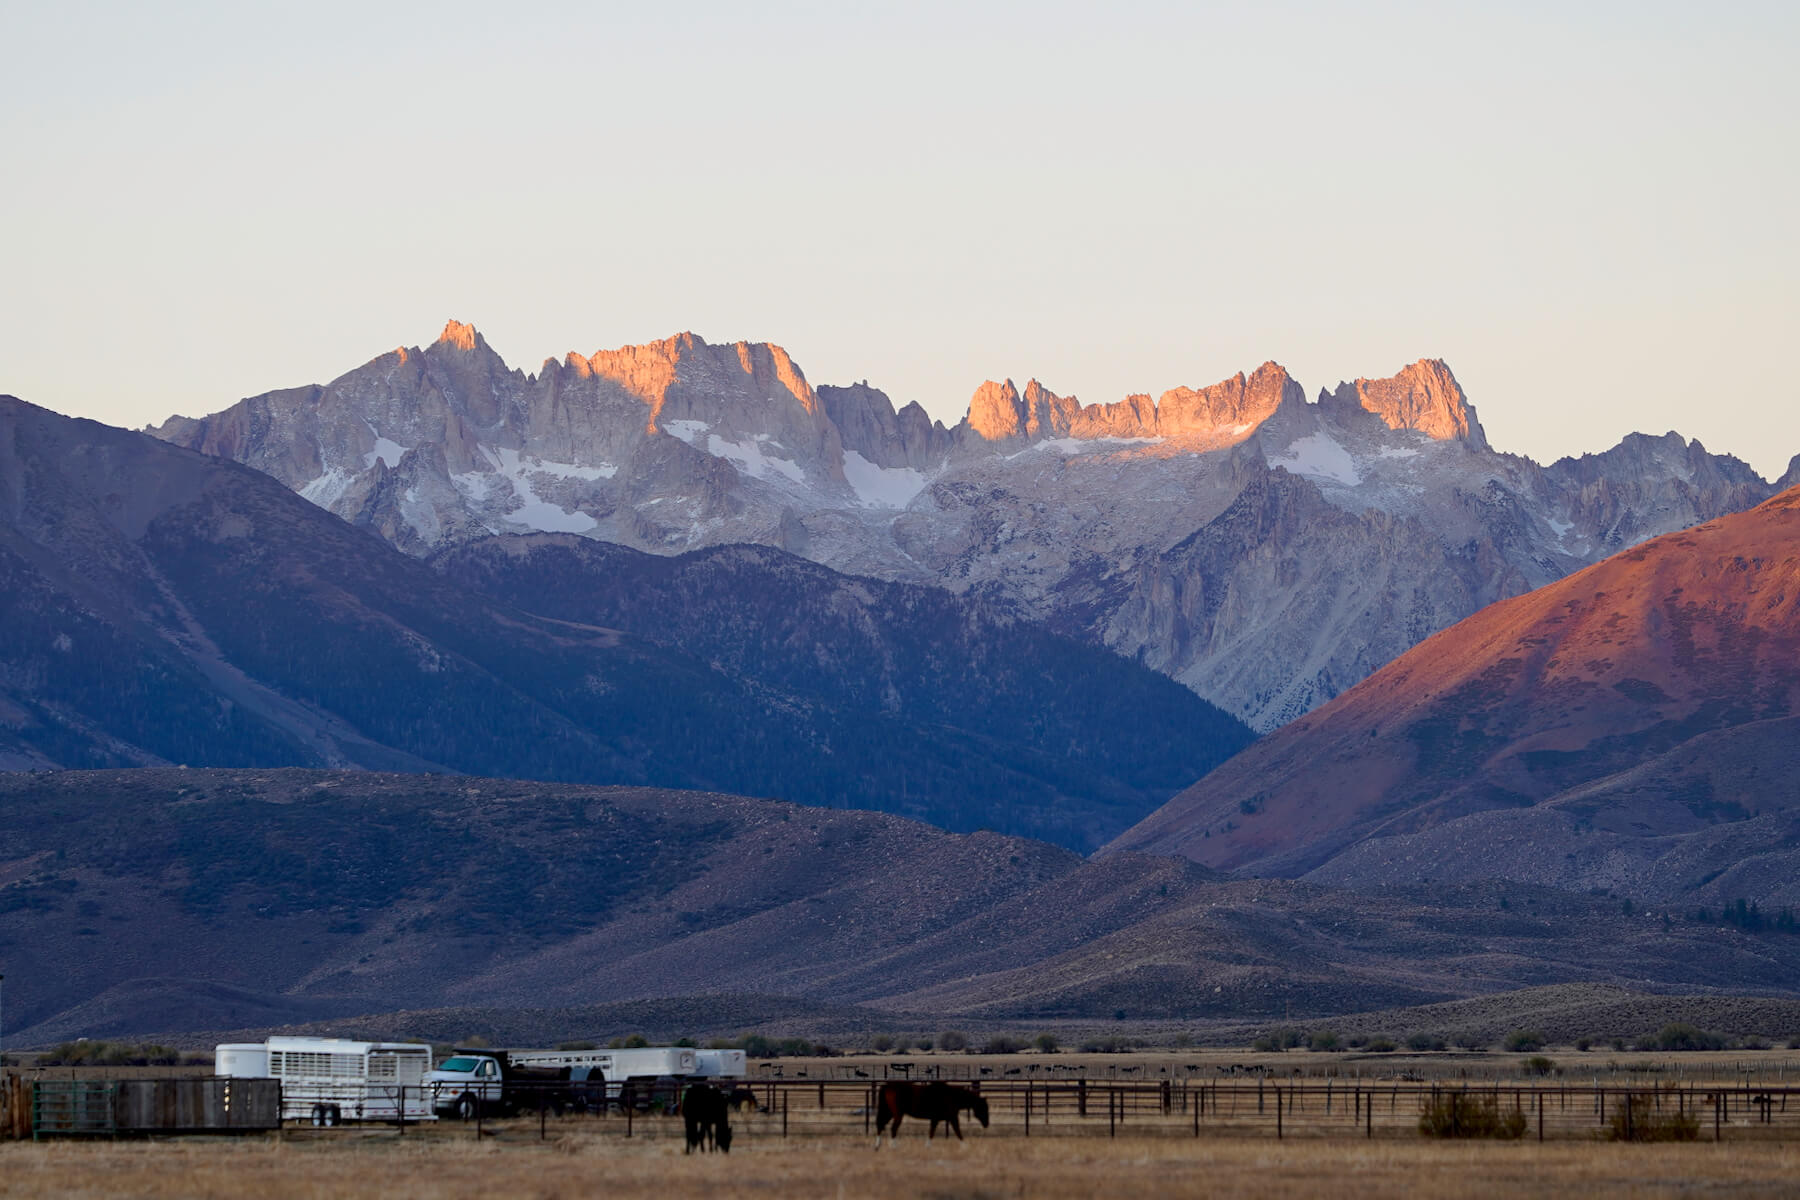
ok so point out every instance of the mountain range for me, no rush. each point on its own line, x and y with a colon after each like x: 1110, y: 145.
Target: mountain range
x: 1265, y: 551
x: 1633, y: 729
x: 159, y: 606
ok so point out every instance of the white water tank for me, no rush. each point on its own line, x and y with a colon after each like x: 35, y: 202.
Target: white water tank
x: 242, y: 1060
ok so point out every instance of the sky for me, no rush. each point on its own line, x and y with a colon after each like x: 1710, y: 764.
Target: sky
x: 1586, y: 209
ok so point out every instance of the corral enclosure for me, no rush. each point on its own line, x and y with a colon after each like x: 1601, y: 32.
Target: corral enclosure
x: 1117, y: 1124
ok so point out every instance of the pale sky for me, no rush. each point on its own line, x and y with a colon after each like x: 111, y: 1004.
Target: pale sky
x: 1588, y: 210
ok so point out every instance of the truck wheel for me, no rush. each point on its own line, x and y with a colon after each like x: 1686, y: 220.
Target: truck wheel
x: 465, y: 1108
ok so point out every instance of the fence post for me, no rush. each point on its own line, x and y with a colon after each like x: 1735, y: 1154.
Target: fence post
x: 1540, y: 1101
x: 1279, y: 1134
x: 543, y: 1107
x: 1027, y: 1108
x: 1112, y: 1126
x: 784, y: 1108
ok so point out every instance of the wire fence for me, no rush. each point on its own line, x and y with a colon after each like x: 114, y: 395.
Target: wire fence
x: 1269, y: 1108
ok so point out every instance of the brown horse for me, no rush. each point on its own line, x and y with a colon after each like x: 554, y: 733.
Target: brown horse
x: 706, y: 1111
x: 933, y: 1102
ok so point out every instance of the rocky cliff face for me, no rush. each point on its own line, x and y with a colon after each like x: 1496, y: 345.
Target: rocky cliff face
x: 1265, y: 551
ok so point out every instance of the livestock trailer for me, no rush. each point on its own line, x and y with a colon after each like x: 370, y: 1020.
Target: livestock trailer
x: 328, y: 1080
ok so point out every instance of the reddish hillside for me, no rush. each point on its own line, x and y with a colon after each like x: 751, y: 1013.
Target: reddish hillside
x: 1622, y: 698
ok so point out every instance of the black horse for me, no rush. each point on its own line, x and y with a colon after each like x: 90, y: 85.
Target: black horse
x: 707, y: 1112
x: 933, y: 1102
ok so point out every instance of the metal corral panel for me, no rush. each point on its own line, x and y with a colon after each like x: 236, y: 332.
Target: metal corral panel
x: 170, y: 1105
x: 62, y: 1107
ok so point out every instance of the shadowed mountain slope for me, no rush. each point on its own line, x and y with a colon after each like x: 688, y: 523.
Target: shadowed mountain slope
x: 147, y: 900
x: 1631, y: 727
x: 161, y: 606
x: 874, y: 658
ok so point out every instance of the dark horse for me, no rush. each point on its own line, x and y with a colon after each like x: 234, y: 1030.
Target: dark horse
x: 708, y: 1115
x: 932, y: 1102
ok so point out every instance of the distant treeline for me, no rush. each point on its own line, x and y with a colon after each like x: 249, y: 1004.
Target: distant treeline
x: 84, y: 1053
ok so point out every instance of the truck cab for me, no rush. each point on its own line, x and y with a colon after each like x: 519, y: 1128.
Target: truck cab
x: 473, y: 1083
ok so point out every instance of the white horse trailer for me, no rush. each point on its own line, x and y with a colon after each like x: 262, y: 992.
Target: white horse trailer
x: 328, y: 1080
x: 720, y: 1064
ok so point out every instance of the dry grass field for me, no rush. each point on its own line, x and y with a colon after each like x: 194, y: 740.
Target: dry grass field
x: 813, y: 1151
x: 572, y: 1165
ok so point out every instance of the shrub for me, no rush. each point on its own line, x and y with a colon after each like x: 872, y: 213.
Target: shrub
x: 925, y: 1043
x: 1001, y: 1044
x: 1471, y: 1041
x: 1045, y: 1042
x: 1537, y: 1064
x: 577, y: 1046
x: 1583, y: 1043
x: 1524, y: 1041
x: 952, y: 1040
x: 1381, y: 1045
x: 1322, y: 1039
x: 1679, y: 1035
x: 1279, y: 1039
x: 1425, y: 1041
x: 1106, y: 1045
x: 108, y: 1054
x: 1460, y: 1115
x: 1641, y: 1117
x: 882, y: 1042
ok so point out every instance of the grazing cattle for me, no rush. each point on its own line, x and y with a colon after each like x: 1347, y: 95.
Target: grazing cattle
x: 741, y: 1096
x: 705, y: 1110
x: 933, y: 1102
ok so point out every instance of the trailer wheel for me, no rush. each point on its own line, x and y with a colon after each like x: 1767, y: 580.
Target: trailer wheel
x: 318, y: 1114
x: 333, y: 1114
x: 465, y: 1107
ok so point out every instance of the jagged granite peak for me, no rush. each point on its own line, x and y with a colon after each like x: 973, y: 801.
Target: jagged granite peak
x: 1424, y: 397
x: 996, y: 411
x: 1385, y: 514
x: 868, y: 425
x: 1240, y: 402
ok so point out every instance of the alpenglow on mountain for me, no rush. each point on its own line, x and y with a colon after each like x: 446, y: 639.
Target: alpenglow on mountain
x: 1265, y: 551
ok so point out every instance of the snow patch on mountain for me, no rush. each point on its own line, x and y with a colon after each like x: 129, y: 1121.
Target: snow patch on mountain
x: 533, y: 511
x: 1320, y: 456
x: 882, y: 487
x: 328, y: 488
x: 388, y: 451
x: 749, y: 457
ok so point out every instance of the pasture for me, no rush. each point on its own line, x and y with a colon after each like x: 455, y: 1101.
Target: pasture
x: 1296, y: 1124
x: 578, y: 1162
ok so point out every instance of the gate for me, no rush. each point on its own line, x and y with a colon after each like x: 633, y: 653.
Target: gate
x: 62, y: 1107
